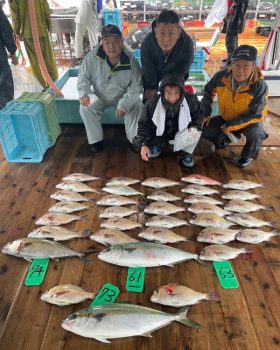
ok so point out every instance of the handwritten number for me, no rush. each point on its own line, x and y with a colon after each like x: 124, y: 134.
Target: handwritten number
x: 37, y: 269
x: 108, y: 293
x: 226, y: 273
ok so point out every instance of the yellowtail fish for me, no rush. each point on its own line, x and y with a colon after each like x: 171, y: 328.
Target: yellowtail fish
x: 120, y: 224
x: 219, y: 252
x: 34, y: 248
x: 199, y: 179
x: 217, y: 235
x: 115, y: 200
x: 58, y: 233
x: 163, y: 208
x: 122, y: 180
x: 241, y: 185
x: 80, y: 177
x: 210, y: 220
x: 68, y: 207
x: 235, y: 194
x: 111, y: 237
x: 199, y: 208
x: 162, y: 196
x: 119, y: 212
x: 173, y: 294
x: 66, y: 294
x: 121, y: 320
x: 121, y: 190
x: 165, y: 221
x: 159, y: 182
x: 69, y: 196
x: 75, y: 187
x: 248, y: 220
x: 161, y: 235
x: 241, y: 206
x: 201, y: 199
x: 198, y: 190
x: 255, y: 236
x: 58, y: 219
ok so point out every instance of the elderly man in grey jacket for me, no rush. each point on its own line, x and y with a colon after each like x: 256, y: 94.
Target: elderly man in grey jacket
x: 109, y: 76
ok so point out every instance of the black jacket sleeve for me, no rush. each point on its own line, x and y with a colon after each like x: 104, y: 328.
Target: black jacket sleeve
x: 149, y: 65
x: 195, y: 111
x: 209, y: 93
x: 6, y: 33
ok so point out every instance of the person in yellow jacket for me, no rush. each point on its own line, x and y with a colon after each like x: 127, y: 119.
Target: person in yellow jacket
x: 242, y: 100
x: 22, y: 28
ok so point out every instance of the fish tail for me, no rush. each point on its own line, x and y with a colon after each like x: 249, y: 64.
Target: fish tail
x: 275, y: 233
x: 272, y: 224
x: 182, y: 313
x: 96, y: 191
x: 205, y: 263
x: 213, y: 296
x: 83, y: 217
x: 86, y: 233
x: 84, y: 256
x: 268, y: 207
x: 247, y: 250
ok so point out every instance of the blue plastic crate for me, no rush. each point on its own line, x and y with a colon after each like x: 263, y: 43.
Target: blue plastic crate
x: 137, y: 55
x: 112, y: 17
x: 198, y: 61
x: 23, y: 132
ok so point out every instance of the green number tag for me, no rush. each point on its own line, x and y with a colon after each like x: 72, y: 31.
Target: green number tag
x: 135, y: 279
x: 107, y: 295
x: 36, y: 273
x: 225, y: 274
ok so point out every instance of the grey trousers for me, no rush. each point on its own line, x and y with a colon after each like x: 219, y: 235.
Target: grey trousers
x: 254, y: 134
x: 91, y: 117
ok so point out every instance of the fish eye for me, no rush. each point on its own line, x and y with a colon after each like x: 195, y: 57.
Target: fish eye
x: 71, y: 317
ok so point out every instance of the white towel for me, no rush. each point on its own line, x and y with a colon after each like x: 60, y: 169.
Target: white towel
x: 159, y: 117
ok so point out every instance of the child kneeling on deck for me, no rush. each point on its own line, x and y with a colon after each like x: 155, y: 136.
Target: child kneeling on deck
x: 172, y: 117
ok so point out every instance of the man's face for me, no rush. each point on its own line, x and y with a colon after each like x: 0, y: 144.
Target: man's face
x: 112, y: 45
x: 242, y: 69
x: 167, y: 36
x: 172, y: 94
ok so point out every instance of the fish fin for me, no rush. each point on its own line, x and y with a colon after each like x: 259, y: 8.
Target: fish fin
x: 189, y: 323
x: 205, y: 263
x: 248, y: 250
x: 170, y: 265
x: 84, y: 256
x: 83, y: 217
x: 55, y: 259
x: 213, y: 296
x: 102, y: 339
x: 27, y: 259
x: 272, y: 224
x: 269, y: 207
x: 182, y: 313
x: 86, y: 233
x: 148, y: 335
x: 276, y: 233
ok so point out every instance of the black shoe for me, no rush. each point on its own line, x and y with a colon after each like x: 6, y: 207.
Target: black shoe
x: 187, y: 160
x: 243, y: 162
x: 96, y: 147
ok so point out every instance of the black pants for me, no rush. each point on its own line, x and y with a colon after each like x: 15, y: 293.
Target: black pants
x: 254, y: 134
x: 231, y: 44
x: 6, y: 83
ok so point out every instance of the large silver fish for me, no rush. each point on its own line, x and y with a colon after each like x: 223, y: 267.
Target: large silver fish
x: 80, y: 177
x: 198, y: 190
x: 69, y: 196
x: 235, y: 194
x: 145, y: 254
x: 199, y: 179
x: 68, y: 207
x: 66, y: 294
x: 217, y: 235
x: 34, y: 248
x: 165, y: 221
x: 199, y: 208
x: 162, y: 208
x: 161, y: 235
x: 241, y: 185
x: 115, y: 200
x: 248, y: 220
x: 159, y: 182
x: 120, y: 224
x: 121, y: 190
x: 75, y: 187
x: 173, y: 294
x: 255, y: 236
x: 162, y: 196
x: 120, y: 212
x: 120, y: 321
x: 111, y: 237
x: 201, y: 199
x: 58, y: 219
x: 57, y: 233
x: 241, y: 206
x: 219, y: 252
x: 122, y: 180
x: 210, y: 220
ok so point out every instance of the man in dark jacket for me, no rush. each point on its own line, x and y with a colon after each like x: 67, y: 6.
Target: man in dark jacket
x: 172, y: 117
x: 166, y: 50
x: 234, y: 24
x: 242, y: 99
x: 6, y: 42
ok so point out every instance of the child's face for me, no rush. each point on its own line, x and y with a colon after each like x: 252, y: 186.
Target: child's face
x: 172, y: 94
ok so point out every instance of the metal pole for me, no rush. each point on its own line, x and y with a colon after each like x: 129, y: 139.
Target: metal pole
x: 257, y: 9
x: 200, y: 9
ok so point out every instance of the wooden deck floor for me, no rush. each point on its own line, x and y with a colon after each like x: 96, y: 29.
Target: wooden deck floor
x: 245, y: 318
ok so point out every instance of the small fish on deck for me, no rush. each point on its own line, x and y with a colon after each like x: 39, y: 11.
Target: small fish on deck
x: 69, y: 196
x: 199, y: 179
x: 121, y: 190
x: 122, y: 180
x: 255, y: 236
x: 75, y: 187
x: 68, y: 207
x: 119, y: 212
x: 163, y: 208
x: 58, y: 219
x: 198, y: 190
x: 201, y: 199
x: 199, y: 208
x: 111, y: 237
x: 159, y: 182
x: 241, y: 185
x: 58, y: 233
x: 210, y: 220
x: 163, y: 196
x: 242, y: 195
x: 116, y: 200
x: 241, y: 206
x: 120, y: 224
x: 161, y: 235
x: 217, y: 235
x: 80, y: 177
x: 248, y: 220
x: 165, y: 221
x: 219, y: 252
